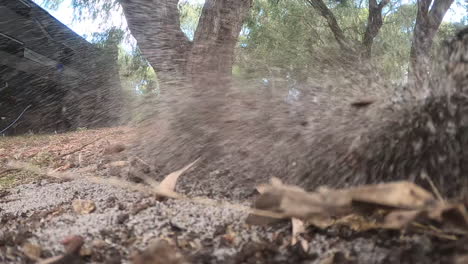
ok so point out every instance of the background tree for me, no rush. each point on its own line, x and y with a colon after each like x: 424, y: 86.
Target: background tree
x: 429, y: 17
x: 373, y: 25
x: 156, y: 26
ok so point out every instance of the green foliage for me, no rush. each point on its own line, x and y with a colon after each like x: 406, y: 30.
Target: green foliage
x: 111, y: 37
x: 280, y: 37
x: 189, y: 16
x: 289, y: 38
x: 136, y: 72
x: 392, y: 45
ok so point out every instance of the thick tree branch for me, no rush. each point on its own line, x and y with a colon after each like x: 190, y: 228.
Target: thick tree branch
x: 438, y: 10
x: 155, y: 25
x: 326, y: 13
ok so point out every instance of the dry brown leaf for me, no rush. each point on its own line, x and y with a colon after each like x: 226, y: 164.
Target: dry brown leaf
x: 403, y: 194
x: 400, y: 219
x: 321, y: 221
x: 403, y: 203
x: 455, y: 215
x: 295, y: 202
x: 298, y: 228
x: 451, y: 218
x: 357, y: 222
x: 167, y: 186
x: 83, y: 206
x: 32, y: 251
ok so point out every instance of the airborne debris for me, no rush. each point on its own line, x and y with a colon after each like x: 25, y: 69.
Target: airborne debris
x: 363, y: 102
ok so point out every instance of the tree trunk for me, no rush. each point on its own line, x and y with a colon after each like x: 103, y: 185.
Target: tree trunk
x: 212, y: 54
x: 428, y: 20
x: 155, y: 25
x: 326, y: 13
x: 194, y: 105
x: 374, y: 23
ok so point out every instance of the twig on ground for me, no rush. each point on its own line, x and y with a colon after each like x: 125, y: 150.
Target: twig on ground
x: 7, y: 170
x: 81, y: 147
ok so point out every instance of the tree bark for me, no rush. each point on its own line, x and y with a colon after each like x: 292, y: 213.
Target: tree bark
x: 156, y: 27
x: 428, y: 20
x: 212, y: 54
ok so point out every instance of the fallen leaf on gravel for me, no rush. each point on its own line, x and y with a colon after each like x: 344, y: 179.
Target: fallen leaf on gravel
x: 160, y: 252
x: 86, y: 252
x: 167, y: 186
x: 295, y: 202
x: 32, y: 251
x: 400, y: 219
x: 402, y: 204
x: 451, y: 218
x: 83, y: 206
x: 402, y: 194
x: 298, y: 228
x: 452, y: 215
x: 230, y: 236
x: 357, y: 222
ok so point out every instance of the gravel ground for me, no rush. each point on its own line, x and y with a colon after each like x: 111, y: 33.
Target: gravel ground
x: 125, y: 222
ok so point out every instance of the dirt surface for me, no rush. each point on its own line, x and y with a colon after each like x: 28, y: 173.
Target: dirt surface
x: 39, y: 212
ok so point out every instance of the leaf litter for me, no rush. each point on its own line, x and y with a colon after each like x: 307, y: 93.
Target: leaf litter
x: 400, y: 206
